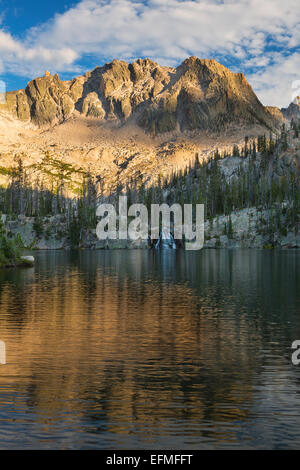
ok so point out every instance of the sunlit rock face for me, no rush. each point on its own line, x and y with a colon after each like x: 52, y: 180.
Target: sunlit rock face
x: 199, y: 94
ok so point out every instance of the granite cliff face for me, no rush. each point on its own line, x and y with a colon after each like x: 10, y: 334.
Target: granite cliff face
x: 286, y: 114
x: 197, y: 95
x: 276, y: 113
x: 293, y: 110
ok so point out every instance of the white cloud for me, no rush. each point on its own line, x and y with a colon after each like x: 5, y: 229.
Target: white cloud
x: 168, y: 29
x: 23, y: 59
x: 274, y: 84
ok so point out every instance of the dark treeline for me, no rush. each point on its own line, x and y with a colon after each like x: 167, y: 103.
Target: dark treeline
x: 255, y: 183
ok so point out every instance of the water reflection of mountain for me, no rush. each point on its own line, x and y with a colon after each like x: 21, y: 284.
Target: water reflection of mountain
x: 146, y: 346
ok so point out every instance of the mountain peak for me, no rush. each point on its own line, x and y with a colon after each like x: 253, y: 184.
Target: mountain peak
x: 199, y: 94
x: 293, y: 110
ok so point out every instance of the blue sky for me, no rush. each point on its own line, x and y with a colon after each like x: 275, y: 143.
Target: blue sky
x: 259, y: 38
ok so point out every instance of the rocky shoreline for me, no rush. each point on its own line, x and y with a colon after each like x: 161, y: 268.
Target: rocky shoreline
x: 22, y: 262
x: 247, y: 228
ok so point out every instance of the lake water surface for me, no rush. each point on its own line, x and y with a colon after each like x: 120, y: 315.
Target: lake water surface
x: 149, y: 350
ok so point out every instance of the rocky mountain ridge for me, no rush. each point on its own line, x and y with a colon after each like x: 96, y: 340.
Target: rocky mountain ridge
x: 127, y: 121
x: 200, y: 94
x: 293, y: 110
x: 285, y: 115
